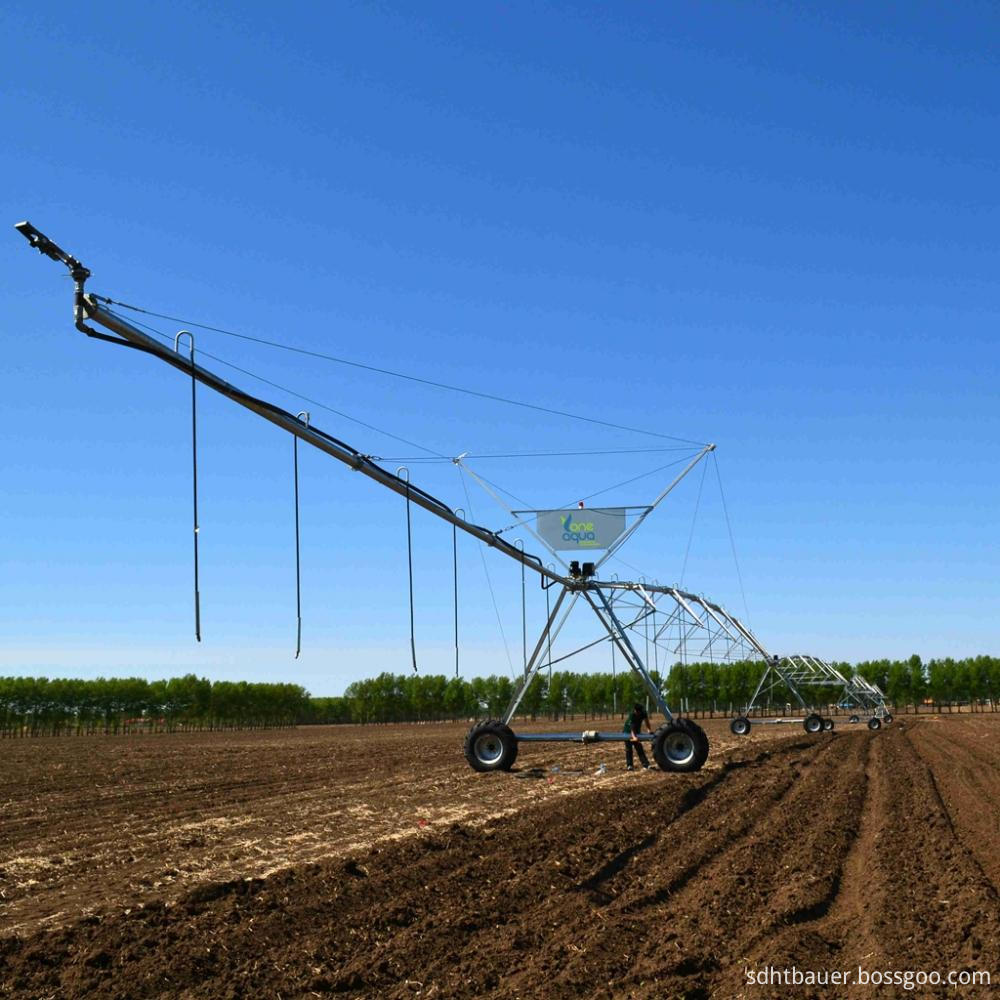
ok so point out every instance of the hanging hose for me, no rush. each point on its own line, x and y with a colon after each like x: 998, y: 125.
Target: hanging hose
x: 548, y: 638
x: 645, y: 629
x: 194, y: 476
x: 614, y: 681
x: 409, y: 562
x: 454, y: 560
x: 656, y: 654
x: 304, y: 417
x: 524, y: 616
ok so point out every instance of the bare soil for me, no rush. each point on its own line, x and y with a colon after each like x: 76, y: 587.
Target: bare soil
x: 372, y: 862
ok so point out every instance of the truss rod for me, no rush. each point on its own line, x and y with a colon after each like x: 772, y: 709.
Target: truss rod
x: 549, y: 632
x: 619, y: 542
x: 645, y: 589
x: 603, y: 610
x: 89, y: 307
x: 600, y: 639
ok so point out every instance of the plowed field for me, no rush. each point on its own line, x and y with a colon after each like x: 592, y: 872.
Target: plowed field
x: 374, y: 863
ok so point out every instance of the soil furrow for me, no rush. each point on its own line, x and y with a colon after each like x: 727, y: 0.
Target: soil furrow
x: 831, y: 852
x: 968, y: 782
x: 916, y: 900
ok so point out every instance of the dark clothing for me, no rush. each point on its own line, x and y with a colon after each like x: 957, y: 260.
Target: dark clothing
x: 633, y: 724
x: 636, y: 719
x: 637, y: 747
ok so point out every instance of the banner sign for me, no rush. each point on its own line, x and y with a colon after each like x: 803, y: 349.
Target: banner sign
x: 582, y: 528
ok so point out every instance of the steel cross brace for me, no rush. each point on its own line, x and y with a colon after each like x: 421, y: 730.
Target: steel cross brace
x: 867, y: 696
x: 795, y: 672
x: 617, y: 632
x: 777, y: 676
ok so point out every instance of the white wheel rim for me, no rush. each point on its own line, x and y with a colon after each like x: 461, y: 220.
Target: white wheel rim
x: 488, y: 748
x: 679, y: 748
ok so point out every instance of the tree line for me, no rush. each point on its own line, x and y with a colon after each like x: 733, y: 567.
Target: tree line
x: 435, y: 698
x: 701, y: 689
x: 36, y: 706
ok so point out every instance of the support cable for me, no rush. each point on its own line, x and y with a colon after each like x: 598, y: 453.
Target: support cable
x: 634, y: 479
x: 506, y: 492
x: 86, y: 307
x: 525, y: 523
x: 437, y: 456
x: 540, y: 454
x: 358, y: 460
x: 401, y: 375
x: 194, y: 475
x: 732, y: 541
x: 291, y: 392
x: 489, y: 581
x: 694, y: 519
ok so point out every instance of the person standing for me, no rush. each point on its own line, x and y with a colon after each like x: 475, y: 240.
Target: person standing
x: 633, y: 726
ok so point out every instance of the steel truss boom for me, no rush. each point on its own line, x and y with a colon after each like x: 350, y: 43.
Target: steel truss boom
x: 88, y: 306
x: 311, y: 435
x: 599, y: 594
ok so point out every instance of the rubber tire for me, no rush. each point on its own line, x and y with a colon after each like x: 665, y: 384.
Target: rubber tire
x: 740, y: 726
x: 699, y: 734
x: 828, y: 725
x: 813, y: 723
x: 490, y: 746
x: 672, y: 738
x: 854, y: 718
x: 887, y: 718
x: 874, y: 723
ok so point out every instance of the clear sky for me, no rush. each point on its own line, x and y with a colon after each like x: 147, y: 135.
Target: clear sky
x: 771, y: 226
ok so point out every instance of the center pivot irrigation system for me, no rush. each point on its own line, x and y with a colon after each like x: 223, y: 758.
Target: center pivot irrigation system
x: 799, y: 674
x: 660, y: 620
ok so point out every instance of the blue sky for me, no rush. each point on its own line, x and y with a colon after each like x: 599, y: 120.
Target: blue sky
x: 769, y: 226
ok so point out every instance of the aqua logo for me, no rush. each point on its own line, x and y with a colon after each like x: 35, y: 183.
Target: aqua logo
x: 581, y: 532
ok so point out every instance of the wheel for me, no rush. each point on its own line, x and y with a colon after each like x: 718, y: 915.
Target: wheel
x: 874, y: 723
x: 854, y: 718
x: 490, y: 746
x: 699, y: 735
x: 887, y: 718
x: 740, y: 726
x: 827, y: 725
x: 812, y: 723
x: 680, y: 746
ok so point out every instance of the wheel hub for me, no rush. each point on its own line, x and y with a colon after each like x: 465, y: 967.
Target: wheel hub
x: 488, y: 748
x: 679, y: 748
